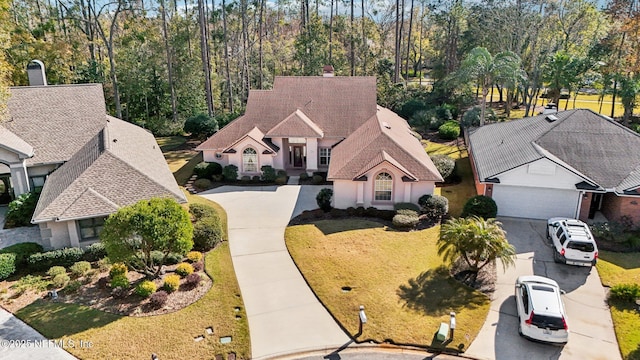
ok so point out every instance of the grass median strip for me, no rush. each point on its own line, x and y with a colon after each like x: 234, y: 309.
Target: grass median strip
x: 397, y: 276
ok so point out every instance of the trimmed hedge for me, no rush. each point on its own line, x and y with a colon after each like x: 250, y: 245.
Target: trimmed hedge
x: 7, y: 265
x: 434, y: 206
x: 22, y: 251
x: 205, y: 170
x: 401, y: 221
x: 625, y: 292
x: 230, y: 173
x: 480, y: 205
x: 63, y: 257
x: 207, y: 233
x: 202, y: 184
x: 199, y: 211
x: 94, y: 252
x: 268, y: 173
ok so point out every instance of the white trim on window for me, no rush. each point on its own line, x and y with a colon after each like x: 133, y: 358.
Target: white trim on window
x: 324, y: 156
x: 383, y: 187
x: 250, y: 160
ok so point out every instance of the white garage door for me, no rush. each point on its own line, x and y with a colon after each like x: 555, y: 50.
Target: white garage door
x: 535, y: 203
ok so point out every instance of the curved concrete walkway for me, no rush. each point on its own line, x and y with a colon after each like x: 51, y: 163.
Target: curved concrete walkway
x: 284, y: 315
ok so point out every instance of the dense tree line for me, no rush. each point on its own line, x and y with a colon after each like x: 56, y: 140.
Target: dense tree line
x: 163, y: 61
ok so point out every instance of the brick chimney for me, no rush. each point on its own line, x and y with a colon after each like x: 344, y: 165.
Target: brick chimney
x: 35, y: 71
x: 327, y: 71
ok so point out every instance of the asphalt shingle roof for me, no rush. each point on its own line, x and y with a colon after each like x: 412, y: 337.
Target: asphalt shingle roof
x: 337, y: 105
x: 14, y: 143
x: 42, y: 115
x: 119, y: 166
x: 600, y: 149
x: 384, y: 137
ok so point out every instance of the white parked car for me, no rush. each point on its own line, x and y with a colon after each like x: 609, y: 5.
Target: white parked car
x: 541, y: 314
x: 572, y: 241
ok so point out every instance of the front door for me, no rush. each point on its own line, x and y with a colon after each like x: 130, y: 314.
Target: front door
x: 297, y: 156
x: 5, y: 189
x: 596, y: 202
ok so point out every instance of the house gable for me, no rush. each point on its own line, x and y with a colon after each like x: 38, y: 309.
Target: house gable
x: 296, y: 125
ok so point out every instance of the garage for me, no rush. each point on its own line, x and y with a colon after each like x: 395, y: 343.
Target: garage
x: 535, y: 203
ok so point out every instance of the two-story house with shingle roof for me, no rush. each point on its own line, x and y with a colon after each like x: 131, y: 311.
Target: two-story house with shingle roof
x: 333, y: 125
x: 59, y: 141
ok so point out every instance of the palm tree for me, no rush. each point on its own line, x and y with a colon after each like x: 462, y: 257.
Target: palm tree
x: 477, y: 241
x: 487, y: 70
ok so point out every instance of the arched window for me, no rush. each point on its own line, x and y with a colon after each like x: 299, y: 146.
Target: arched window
x: 249, y: 160
x: 383, y: 187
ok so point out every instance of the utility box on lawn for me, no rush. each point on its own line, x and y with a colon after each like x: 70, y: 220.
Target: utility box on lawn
x: 443, y: 332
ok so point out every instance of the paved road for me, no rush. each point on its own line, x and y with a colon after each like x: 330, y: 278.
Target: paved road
x: 590, y: 325
x: 284, y: 315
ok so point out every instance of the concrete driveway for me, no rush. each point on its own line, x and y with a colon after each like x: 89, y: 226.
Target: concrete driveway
x: 284, y: 315
x: 591, y: 329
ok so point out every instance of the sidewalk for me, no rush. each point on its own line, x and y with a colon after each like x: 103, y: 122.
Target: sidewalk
x: 283, y: 313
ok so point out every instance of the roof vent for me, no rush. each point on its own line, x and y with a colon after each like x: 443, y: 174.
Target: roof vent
x: 386, y: 124
x: 551, y: 118
x: 35, y: 71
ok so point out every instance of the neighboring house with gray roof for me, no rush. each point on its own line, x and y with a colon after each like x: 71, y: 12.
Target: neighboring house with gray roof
x: 333, y: 125
x: 571, y: 164
x: 59, y: 141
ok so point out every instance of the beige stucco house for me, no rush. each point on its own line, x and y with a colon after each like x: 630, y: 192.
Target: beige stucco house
x: 328, y: 124
x: 59, y: 141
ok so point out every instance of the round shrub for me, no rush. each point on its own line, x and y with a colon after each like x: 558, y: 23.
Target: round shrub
x: 7, y: 265
x: 80, y: 268
x: 281, y: 172
x: 158, y: 299
x: 117, y: 269
x: 230, y: 172
x: 434, y: 206
x: 401, y: 221
x: 317, y: 179
x: 245, y: 178
x: 73, y: 286
x: 625, y: 292
x: 444, y: 164
x: 202, y: 184
x: 281, y: 180
x: 56, y: 270
x: 194, y: 256
x: 198, y: 266
x: 173, y: 258
x: 171, y: 283
x: 184, y: 269
x: 480, y: 205
x: 323, y: 199
x: 192, y: 280
x: 304, y: 176
x: 60, y: 280
x: 408, y: 212
x: 207, y: 233
x: 268, y: 173
x: 214, y: 169
x: 145, y: 288
x: 199, y: 211
x: 449, y: 130
x: 120, y: 281
x: 256, y: 178
x: 201, y: 170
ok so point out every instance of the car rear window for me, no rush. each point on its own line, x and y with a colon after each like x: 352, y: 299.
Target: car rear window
x: 581, y: 246
x: 547, y: 322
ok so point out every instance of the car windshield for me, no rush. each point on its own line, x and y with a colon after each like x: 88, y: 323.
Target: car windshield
x: 581, y: 246
x: 547, y: 322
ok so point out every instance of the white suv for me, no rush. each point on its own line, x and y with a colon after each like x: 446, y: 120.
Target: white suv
x: 572, y: 241
x: 541, y: 314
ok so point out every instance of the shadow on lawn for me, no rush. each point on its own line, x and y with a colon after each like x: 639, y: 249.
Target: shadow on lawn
x: 625, y: 260
x: 332, y: 226
x: 183, y: 174
x: 55, y: 320
x: 435, y: 293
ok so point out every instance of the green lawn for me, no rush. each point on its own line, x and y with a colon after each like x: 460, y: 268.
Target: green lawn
x: 459, y: 193
x: 614, y: 269
x: 397, y: 276
x: 169, y: 143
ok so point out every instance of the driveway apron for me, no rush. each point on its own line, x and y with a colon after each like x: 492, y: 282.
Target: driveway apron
x: 283, y: 313
x: 591, y: 328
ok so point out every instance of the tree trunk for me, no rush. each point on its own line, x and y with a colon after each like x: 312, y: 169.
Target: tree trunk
x: 396, y: 65
x: 226, y: 56
x: 187, y: 21
x: 260, y: 51
x: 331, y: 34
x: 204, y: 50
x: 352, y: 43
x: 365, y: 47
x: 169, y: 63
x: 246, y: 79
x: 483, y: 103
x: 406, y: 67
x: 613, y: 96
